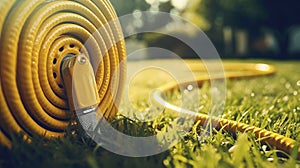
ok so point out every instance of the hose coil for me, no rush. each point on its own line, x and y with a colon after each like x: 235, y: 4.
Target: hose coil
x: 35, y: 37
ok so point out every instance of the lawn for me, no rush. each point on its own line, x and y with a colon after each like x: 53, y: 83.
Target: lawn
x: 270, y: 102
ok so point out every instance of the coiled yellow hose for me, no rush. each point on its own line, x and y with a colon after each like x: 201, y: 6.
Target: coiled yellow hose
x: 37, y: 34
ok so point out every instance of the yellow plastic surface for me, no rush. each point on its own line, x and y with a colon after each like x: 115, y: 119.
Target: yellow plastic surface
x: 35, y: 36
x: 78, y: 76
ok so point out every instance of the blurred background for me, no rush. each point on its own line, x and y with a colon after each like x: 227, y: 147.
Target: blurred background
x: 238, y: 28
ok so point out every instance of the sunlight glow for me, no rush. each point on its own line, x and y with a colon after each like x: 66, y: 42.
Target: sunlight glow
x: 262, y: 67
x: 150, y: 1
x: 180, y: 4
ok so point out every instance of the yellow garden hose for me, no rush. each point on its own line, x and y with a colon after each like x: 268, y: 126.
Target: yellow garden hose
x: 234, y: 71
x: 35, y: 37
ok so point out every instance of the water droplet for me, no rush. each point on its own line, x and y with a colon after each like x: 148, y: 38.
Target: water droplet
x: 298, y: 83
x: 264, y: 147
x: 190, y: 87
x: 232, y: 149
x: 201, y: 108
x: 252, y: 94
x: 285, y: 98
x: 264, y: 112
x: 298, y: 108
x: 141, y: 116
x: 185, y: 91
x: 288, y: 85
x: 295, y: 93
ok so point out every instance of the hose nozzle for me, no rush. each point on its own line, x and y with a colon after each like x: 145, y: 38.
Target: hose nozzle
x: 81, y: 89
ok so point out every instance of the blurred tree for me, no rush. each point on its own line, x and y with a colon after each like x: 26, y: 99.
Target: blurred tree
x: 253, y: 16
x: 194, y: 13
x: 282, y: 16
x: 124, y: 7
x: 241, y: 13
x: 212, y: 16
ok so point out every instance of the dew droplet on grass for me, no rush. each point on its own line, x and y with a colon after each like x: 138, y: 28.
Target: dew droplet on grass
x: 288, y: 85
x: 190, y: 87
x: 232, y: 149
x: 264, y: 148
x: 185, y: 91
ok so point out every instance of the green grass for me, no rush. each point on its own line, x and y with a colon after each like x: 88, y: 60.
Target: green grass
x: 270, y: 102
